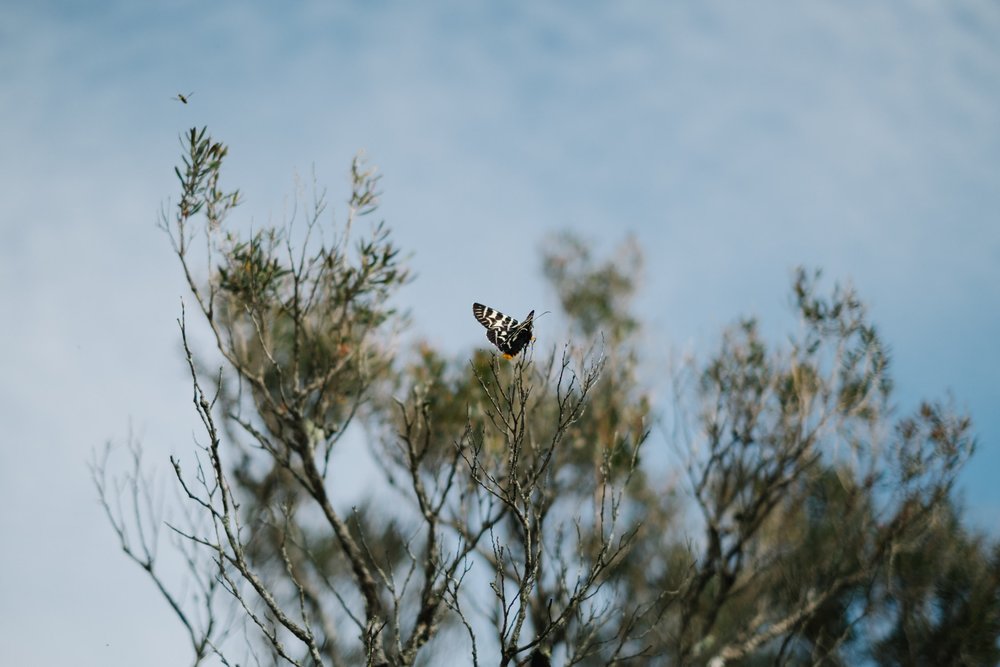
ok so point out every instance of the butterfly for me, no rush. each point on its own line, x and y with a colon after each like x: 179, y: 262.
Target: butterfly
x: 509, y: 335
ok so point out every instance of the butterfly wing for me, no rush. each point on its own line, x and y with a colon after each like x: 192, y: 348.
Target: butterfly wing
x: 493, y: 335
x: 519, y: 336
x: 492, y: 318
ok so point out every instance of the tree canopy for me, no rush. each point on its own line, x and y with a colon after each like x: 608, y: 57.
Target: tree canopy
x: 771, y: 508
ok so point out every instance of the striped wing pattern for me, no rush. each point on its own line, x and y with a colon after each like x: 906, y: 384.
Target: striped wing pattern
x: 509, y: 335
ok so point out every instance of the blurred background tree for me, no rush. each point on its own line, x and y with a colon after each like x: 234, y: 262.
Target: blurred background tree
x: 523, y: 514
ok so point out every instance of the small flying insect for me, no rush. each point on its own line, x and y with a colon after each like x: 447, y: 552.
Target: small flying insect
x: 183, y: 99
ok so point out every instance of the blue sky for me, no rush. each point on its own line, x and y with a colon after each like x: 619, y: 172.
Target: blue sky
x: 735, y: 141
